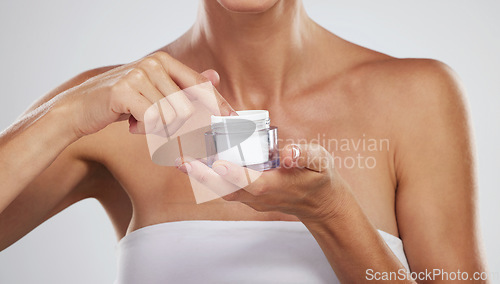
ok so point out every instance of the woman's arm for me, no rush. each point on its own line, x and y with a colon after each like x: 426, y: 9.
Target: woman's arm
x: 352, y: 245
x: 31, y: 145
x: 436, y: 195
x: 67, y: 179
x: 436, y: 201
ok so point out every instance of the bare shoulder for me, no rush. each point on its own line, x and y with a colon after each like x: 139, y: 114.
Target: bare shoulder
x: 377, y: 78
x: 408, y: 90
x: 421, y: 81
x: 423, y: 103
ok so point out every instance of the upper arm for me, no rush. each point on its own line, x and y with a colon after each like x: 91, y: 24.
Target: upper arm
x: 54, y: 189
x: 436, y: 195
x: 68, y: 179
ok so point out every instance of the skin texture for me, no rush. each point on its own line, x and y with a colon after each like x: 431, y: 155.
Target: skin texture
x: 269, y: 55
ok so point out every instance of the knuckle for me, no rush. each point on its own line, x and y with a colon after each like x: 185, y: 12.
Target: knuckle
x: 114, y: 89
x: 136, y: 74
x: 117, y: 89
x: 261, y: 190
x: 200, y: 79
x: 161, y: 55
x: 149, y: 63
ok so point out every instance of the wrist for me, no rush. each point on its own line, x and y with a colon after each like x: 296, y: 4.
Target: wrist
x: 59, y: 119
x: 337, y: 206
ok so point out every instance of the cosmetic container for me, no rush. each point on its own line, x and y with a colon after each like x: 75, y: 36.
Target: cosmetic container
x: 247, y: 140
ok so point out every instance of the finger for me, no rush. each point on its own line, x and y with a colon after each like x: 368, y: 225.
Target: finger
x: 213, y: 76
x: 171, y: 103
x: 206, y: 176
x: 311, y: 156
x: 124, y: 116
x: 139, y: 80
x: 178, y: 106
x: 186, y: 77
x: 210, y: 98
x: 253, y: 182
x: 235, y: 174
x: 159, y: 118
x: 132, y: 102
x: 158, y: 76
x: 241, y: 195
x: 161, y: 114
x: 134, y: 126
x: 182, y: 107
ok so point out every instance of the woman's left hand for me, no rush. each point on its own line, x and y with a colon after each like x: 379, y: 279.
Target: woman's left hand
x: 305, y: 185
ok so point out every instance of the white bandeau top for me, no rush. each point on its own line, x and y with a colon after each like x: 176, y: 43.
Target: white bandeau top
x: 228, y: 252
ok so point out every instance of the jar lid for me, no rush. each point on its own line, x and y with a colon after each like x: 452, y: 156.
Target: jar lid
x: 252, y: 115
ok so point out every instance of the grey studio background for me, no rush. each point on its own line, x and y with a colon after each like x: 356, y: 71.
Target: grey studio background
x: 44, y: 43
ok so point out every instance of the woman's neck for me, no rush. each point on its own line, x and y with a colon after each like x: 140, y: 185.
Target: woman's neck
x: 255, y: 54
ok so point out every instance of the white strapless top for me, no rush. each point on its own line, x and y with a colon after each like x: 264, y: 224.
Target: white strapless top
x: 228, y: 252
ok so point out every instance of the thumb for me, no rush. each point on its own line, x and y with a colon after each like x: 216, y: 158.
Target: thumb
x: 213, y: 76
x: 310, y: 156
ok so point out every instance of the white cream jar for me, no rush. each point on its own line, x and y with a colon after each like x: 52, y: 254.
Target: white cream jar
x: 247, y: 140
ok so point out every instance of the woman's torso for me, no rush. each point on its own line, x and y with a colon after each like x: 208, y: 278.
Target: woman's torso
x: 347, y: 113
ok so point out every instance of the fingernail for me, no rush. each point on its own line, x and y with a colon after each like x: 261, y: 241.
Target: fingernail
x: 185, y: 168
x: 220, y: 169
x: 295, y: 152
x: 233, y: 113
x: 178, y: 162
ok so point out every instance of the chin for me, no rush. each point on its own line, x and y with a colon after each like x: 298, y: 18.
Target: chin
x: 248, y: 6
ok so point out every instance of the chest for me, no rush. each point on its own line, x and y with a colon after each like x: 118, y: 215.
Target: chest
x: 359, y: 144
x: 357, y: 134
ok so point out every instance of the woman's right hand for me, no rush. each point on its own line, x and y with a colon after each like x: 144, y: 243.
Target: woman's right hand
x: 126, y: 92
